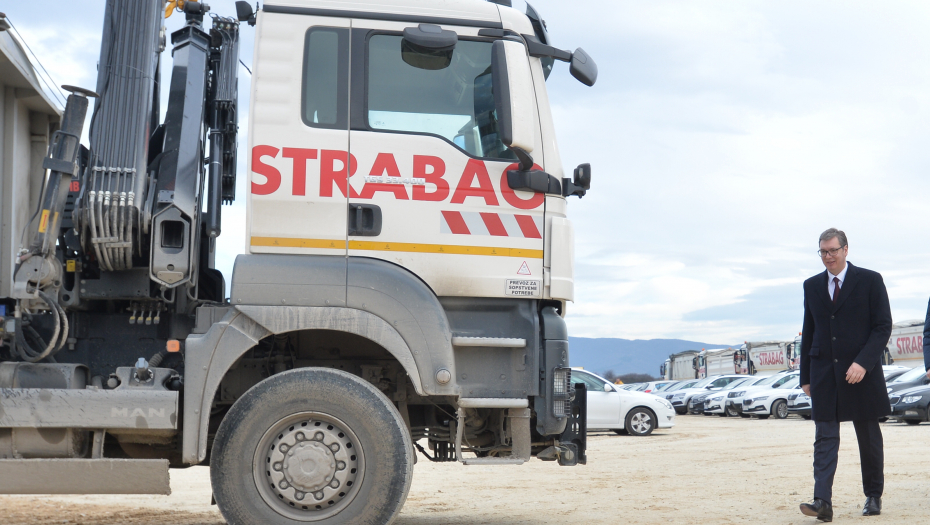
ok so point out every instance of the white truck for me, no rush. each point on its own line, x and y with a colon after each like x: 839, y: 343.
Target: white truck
x: 906, y: 345
x: 715, y: 362
x: 762, y: 358
x: 408, y: 258
x: 680, y: 365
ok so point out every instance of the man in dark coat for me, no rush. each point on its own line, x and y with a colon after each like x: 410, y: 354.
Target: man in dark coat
x: 847, y: 324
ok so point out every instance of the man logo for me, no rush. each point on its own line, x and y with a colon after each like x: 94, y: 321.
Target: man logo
x: 136, y: 412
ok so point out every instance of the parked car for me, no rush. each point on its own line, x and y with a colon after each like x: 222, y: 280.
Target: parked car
x: 911, y: 405
x: 892, y: 372
x: 652, y: 386
x: 772, y: 400
x: 715, y: 403
x: 911, y: 378
x: 681, y: 397
x: 623, y: 411
x: 799, y: 403
x: 665, y: 388
x: 736, y: 401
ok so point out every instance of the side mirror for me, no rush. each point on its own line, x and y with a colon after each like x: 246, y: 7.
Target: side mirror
x: 513, y: 94
x: 583, y: 67
x: 608, y: 388
x: 579, y: 186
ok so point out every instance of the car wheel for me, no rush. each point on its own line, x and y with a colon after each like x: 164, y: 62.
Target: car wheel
x: 681, y: 411
x: 731, y: 412
x: 640, y: 422
x: 763, y: 416
x: 780, y: 409
x: 335, y: 421
x: 912, y: 421
x: 621, y: 431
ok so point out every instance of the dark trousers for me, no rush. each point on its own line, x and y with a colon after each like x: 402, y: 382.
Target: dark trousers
x: 871, y: 455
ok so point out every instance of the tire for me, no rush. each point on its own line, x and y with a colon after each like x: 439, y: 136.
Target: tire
x: 354, y: 427
x: 681, y: 412
x: 780, y: 409
x: 640, y: 422
x: 620, y: 431
x: 912, y: 421
x: 730, y: 413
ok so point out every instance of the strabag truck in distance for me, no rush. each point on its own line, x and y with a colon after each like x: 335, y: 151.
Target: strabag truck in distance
x: 408, y: 259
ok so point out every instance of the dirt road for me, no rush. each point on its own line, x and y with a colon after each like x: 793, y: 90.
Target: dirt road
x: 706, y: 470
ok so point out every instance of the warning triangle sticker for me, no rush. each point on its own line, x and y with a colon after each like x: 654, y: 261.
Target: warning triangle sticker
x: 524, y: 269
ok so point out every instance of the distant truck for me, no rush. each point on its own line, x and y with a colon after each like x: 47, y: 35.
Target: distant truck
x: 765, y: 358
x: 681, y: 365
x: 906, y: 345
x: 715, y: 362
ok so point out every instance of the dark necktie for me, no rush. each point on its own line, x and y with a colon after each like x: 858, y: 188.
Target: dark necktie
x: 836, y: 288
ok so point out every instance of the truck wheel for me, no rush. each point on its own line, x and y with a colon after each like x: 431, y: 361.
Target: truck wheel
x: 311, y: 445
x: 780, y: 409
x: 640, y: 422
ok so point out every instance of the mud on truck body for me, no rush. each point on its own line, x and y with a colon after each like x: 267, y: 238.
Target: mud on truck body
x: 408, y: 260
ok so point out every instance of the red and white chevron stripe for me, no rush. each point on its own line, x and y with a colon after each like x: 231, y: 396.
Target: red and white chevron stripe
x: 496, y: 224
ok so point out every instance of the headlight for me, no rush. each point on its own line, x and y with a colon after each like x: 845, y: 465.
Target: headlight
x: 763, y: 398
x: 911, y: 399
x: 678, y: 396
x: 666, y: 403
x: 718, y: 398
x: 741, y: 393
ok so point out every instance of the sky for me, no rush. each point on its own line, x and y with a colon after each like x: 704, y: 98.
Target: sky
x: 724, y: 137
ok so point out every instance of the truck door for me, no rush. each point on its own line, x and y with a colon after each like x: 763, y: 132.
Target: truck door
x: 299, y: 135
x: 429, y: 190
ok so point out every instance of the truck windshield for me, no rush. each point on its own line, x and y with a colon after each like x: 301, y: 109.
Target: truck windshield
x: 455, y: 102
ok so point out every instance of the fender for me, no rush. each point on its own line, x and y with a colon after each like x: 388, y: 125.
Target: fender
x: 386, y: 304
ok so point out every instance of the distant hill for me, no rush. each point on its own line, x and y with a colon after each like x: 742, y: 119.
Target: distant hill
x: 625, y: 356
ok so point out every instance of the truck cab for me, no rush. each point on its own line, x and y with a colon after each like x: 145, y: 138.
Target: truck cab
x: 407, y: 268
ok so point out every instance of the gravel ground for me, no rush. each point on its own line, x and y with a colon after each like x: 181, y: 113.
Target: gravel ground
x: 706, y: 470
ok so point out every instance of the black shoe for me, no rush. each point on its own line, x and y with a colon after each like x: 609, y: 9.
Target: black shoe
x: 819, y: 509
x: 872, y: 507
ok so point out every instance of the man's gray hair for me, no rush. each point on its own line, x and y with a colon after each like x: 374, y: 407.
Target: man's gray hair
x: 833, y: 232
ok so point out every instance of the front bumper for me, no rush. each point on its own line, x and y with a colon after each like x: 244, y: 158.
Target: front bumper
x: 801, y: 408
x: 911, y: 411
x: 696, y: 407
x: 665, y: 419
x: 734, y: 406
x: 714, y: 407
x: 755, y: 408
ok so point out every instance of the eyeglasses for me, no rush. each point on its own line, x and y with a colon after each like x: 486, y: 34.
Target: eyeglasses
x: 831, y: 253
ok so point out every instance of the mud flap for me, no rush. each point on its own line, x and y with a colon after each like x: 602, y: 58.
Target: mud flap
x: 575, y: 436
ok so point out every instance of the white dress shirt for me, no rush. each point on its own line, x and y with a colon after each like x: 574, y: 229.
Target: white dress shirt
x: 841, y: 277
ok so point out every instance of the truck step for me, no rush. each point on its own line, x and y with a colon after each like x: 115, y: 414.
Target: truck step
x: 497, y: 342
x: 84, y: 476
x: 493, y: 461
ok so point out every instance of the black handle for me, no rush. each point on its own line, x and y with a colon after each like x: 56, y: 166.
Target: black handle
x: 364, y: 220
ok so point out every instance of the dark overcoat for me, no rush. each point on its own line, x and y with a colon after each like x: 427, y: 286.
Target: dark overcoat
x: 855, y: 329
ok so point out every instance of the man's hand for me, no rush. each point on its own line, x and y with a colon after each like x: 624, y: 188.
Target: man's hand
x: 807, y: 388
x: 928, y: 374
x: 855, y: 374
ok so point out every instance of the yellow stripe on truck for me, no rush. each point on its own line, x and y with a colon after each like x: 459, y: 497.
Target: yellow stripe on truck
x: 285, y: 242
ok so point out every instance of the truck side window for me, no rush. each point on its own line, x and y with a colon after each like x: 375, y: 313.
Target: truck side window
x: 455, y: 102
x: 325, y: 97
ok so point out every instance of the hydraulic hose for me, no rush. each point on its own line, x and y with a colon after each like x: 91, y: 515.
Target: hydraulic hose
x: 56, y: 342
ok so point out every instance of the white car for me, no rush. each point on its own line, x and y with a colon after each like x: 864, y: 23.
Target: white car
x: 623, y: 411
x: 715, y: 403
x: 681, y: 397
x: 770, y: 399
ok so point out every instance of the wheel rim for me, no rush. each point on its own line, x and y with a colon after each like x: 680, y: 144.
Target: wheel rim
x: 641, y: 422
x: 308, y: 466
x: 782, y: 410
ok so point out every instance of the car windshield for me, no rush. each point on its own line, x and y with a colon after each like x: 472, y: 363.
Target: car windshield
x: 681, y: 386
x: 911, y: 375
x: 793, y: 383
x: 735, y: 384
x: 667, y: 386
x: 767, y: 381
